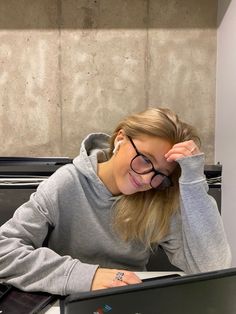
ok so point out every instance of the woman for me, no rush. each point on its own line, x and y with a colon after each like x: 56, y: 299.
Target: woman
x: 102, y: 215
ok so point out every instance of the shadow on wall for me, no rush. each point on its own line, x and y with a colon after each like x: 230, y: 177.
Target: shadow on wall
x: 222, y: 9
x: 112, y: 14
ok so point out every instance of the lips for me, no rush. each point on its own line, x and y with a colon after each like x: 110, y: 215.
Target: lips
x: 134, y: 181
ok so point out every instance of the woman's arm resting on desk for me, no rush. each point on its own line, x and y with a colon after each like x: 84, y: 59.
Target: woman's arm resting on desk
x: 27, y: 265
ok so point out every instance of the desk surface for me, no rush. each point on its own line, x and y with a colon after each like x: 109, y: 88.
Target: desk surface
x: 55, y: 309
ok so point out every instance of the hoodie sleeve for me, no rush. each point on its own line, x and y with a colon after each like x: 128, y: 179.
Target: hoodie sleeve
x: 26, y: 264
x: 196, y: 241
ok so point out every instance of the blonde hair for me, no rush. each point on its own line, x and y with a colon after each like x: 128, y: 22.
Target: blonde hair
x: 145, y: 216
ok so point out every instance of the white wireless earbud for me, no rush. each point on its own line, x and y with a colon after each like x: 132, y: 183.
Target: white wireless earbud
x: 117, y: 146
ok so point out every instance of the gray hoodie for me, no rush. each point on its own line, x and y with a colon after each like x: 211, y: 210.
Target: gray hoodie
x: 73, y: 209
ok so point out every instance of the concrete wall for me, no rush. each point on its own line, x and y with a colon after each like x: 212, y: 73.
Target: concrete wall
x: 226, y: 114
x: 70, y: 67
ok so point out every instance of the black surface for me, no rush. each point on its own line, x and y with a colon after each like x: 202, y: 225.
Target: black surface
x: 31, y: 166
x: 19, y: 302
x: 4, y: 290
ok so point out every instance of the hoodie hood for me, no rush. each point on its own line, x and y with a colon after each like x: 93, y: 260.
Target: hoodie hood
x: 94, y: 148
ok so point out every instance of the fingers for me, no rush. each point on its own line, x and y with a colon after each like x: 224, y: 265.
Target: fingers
x: 128, y: 278
x: 108, y: 278
x: 183, y: 149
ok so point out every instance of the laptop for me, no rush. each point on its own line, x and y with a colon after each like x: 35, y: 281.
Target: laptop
x: 203, y: 293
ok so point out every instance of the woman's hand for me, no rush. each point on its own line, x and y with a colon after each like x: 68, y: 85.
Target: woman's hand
x: 183, y: 149
x: 109, y: 278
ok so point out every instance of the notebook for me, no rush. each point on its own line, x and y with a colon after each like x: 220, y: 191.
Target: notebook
x: 204, y: 293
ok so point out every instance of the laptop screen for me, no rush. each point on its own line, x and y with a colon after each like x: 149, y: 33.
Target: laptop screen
x: 207, y: 293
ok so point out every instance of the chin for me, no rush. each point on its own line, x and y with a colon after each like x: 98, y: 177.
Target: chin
x: 129, y: 190
x: 126, y: 189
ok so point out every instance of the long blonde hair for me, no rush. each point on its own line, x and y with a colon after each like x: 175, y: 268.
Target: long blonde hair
x: 145, y: 216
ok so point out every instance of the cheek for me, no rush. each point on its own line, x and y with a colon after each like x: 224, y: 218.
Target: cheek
x: 122, y: 162
x: 121, y: 169
x: 122, y: 179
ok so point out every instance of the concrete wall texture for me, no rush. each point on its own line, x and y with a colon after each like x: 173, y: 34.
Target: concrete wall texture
x: 71, y: 67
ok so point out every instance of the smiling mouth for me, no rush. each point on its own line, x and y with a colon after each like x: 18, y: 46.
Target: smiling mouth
x: 134, y: 182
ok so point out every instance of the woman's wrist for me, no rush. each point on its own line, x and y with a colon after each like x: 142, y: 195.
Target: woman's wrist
x: 192, y: 168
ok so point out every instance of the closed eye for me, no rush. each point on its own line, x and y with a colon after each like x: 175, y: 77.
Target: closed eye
x: 146, y: 159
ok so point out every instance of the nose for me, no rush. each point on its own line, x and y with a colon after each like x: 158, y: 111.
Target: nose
x: 146, y: 178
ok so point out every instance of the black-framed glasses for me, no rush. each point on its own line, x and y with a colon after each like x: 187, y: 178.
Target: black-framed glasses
x: 141, y: 164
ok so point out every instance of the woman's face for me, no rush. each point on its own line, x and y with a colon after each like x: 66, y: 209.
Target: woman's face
x: 125, y: 180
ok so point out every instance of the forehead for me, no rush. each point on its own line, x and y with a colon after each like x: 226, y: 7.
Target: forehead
x: 153, y: 144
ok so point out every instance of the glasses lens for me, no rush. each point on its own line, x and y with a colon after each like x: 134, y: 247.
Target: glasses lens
x: 160, y: 182
x: 141, y: 165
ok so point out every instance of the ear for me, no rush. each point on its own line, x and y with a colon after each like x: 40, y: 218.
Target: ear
x: 117, y: 146
x: 120, y: 136
x: 118, y: 140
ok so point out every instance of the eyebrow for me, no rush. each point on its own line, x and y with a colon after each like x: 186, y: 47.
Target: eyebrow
x: 152, y: 158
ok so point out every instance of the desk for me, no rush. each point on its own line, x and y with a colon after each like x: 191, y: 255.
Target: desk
x: 55, y: 309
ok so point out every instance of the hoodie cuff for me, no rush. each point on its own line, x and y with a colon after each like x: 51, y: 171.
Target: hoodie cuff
x: 192, y: 168
x: 80, y: 278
